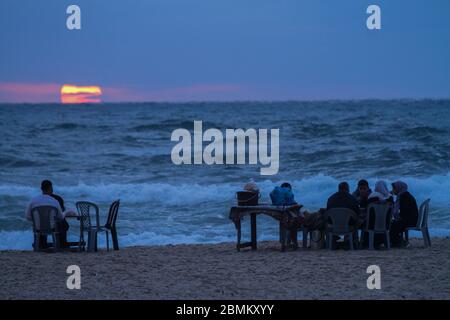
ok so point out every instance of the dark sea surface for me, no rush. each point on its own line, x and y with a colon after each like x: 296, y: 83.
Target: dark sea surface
x: 108, y: 151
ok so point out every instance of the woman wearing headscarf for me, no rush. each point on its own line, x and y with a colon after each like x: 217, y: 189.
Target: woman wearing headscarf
x: 380, y: 194
x: 405, y: 212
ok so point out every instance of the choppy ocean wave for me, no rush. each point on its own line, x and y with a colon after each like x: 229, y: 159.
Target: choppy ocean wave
x: 312, y: 190
x: 122, y: 151
x: 163, y: 213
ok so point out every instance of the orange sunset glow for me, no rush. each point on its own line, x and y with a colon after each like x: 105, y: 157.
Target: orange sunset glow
x: 76, y: 94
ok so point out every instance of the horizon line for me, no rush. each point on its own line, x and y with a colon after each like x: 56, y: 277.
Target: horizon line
x: 231, y: 101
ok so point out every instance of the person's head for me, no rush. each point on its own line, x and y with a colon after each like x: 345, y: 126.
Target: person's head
x: 46, y: 187
x: 399, y: 187
x: 286, y: 185
x: 344, y: 187
x: 251, y: 187
x: 363, y: 188
x: 381, y: 187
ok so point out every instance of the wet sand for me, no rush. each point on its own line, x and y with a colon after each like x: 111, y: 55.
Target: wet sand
x: 220, y: 272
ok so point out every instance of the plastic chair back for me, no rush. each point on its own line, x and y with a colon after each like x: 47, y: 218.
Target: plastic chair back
x: 44, y: 219
x: 383, y: 216
x: 424, y: 209
x: 112, y: 216
x: 84, y: 210
x: 340, y: 218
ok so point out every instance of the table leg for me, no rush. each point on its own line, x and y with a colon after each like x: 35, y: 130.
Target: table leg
x: 253, y: 227
x: 295, y: 238
x: 238, y: 228
x: 282, y: 236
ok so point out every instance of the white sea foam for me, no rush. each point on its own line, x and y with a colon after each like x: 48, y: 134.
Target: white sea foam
x: 197, y: 200
x: 22, y: 240
x: 311, y: 191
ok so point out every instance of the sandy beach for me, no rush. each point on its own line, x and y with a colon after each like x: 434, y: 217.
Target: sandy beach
x: 220, y: 272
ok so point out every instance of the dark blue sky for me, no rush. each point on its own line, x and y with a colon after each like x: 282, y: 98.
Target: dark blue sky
x: 225, y: 49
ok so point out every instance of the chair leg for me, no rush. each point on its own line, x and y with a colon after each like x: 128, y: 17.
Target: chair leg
x: 361, y: 240
x: 371, y: 240
x: 80, y: 241
x: 92, y: 241
x: 356, y: 240
x: 388, y: 240
x: 407, y: 235
x: 426, y: 237
x: 305, y: 238
x: 89, y: 241
x: 56, y: 242
x: 107, y: 240
x: 36, y: 243
x: 329, y: 241
x: 350, y: 239
x: 115, y: 240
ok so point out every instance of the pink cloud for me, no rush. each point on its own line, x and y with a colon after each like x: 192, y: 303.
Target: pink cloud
x: 198, y: 92
x: 14, y: 92
x: 29, y: 92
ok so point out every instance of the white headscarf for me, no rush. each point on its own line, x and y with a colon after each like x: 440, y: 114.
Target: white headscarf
x: 381, y: 191
x: 251, y: 186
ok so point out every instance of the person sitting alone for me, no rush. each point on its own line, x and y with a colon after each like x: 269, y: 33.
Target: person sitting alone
x: 47, y: 198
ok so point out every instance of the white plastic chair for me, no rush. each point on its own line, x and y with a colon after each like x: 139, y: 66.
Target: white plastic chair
x: 422, y: 223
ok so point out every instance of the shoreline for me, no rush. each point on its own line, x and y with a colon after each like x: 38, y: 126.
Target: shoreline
x: 218, y: 271
x: 102, y: 245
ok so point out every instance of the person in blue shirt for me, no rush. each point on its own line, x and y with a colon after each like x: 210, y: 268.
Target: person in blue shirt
x: 283, y: 196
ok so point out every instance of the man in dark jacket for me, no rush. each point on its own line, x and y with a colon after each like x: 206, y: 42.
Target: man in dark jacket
x: 343, y: 199
x: 405, y: 212
x: 362, y: 193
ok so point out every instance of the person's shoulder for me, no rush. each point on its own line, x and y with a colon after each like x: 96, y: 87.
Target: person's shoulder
x: 59, y: 199
x: 409, y: 194
x: 38, y: 198
x: 373, y: 199
x: 352, y: 197
x: 333, y: 195
x: 51, y: 200
x: 406, y: 195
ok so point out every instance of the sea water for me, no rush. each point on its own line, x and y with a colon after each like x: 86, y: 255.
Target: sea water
x: 104, y: 152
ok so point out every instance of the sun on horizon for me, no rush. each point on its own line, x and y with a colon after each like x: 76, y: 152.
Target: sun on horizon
x: 72, y: 94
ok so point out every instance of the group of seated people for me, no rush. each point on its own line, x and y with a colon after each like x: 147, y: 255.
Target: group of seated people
x: 404, y: 209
